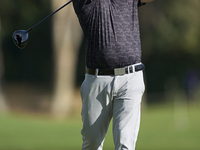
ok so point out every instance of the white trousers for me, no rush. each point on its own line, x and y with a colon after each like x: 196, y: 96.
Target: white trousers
x: 107, y: 97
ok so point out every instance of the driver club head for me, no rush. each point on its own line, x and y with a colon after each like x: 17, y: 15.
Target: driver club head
x: 20, y: 38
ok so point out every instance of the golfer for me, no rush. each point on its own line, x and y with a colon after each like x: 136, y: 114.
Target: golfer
x: 113, y: 85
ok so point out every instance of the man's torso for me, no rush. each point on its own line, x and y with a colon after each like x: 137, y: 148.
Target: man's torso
x: 111, y: 30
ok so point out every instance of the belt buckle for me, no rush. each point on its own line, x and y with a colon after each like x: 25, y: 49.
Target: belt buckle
x: 119, y: 71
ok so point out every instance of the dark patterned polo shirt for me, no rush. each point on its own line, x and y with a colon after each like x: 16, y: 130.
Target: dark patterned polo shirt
x: 111, y: 31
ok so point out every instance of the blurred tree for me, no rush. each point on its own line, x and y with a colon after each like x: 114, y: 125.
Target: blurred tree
x: 29, y: 69
x: 3, y: 106
x: 170, y: 40
x: 67, y: 38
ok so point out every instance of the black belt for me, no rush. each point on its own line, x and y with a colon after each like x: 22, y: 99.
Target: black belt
x: 116, y: 71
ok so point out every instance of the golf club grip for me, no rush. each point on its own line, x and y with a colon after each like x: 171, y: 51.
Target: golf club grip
x: 49, y: 16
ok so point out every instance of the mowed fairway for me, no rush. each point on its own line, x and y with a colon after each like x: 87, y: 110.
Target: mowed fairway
x: 162, y: 128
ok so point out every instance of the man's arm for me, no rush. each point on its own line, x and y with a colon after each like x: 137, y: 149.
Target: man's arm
x: 146, y: 1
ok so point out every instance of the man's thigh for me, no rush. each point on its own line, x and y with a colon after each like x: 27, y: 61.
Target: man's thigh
x: 126, y: 111
x: 96, y: 110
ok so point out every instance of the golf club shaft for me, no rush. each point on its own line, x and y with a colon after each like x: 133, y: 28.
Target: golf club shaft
x: 48, y: 16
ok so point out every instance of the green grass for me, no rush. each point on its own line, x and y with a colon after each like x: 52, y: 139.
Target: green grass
x: 21, y: 133
x: 162, y: 128
x: 170, y: 128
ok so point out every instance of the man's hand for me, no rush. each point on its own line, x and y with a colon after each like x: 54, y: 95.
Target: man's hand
x: 146, y: 1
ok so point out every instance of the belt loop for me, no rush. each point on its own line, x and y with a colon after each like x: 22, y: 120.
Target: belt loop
x: 131, y: 69
x: 96, y: 72
x: 128, y: 69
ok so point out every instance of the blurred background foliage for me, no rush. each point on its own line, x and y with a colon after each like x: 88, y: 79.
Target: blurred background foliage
x: 34, y: 64
x: 170, y: 42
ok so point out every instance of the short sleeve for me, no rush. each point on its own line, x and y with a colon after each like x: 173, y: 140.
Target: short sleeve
x: 140, y: 3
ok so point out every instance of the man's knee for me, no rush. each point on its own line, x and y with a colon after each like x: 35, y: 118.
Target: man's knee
x: 92, y: 144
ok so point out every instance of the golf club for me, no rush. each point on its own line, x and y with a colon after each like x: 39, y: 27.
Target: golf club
x: 20, y: 37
